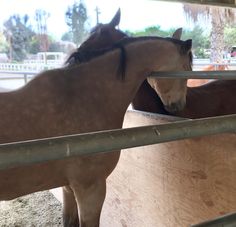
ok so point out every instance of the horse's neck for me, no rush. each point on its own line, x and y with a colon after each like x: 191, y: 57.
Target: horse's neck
x: 96, y: 85
x: 140, y: 60
x: 141, y: 55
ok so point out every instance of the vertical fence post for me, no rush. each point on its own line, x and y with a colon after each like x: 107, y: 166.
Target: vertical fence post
x: 25, y: 78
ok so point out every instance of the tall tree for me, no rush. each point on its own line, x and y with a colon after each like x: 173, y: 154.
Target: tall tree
x: 150, y: 31
x: 199, y: 37
x: 41, y: 17
x: 3, y: 43
x: 200, y: 40
x: 219, y: 17
x: 18, y: 33
x: 230, y: 37
x: 76, y: 18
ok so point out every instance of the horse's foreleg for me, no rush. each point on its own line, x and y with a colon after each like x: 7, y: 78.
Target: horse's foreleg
x: 70, y: 210
x: 90, y: 200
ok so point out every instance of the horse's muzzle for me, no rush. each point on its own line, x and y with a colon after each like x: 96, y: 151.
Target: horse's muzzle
x: 175, y: 107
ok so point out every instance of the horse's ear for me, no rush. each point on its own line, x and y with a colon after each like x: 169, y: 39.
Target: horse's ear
x: 116, y: 19
x: 177, y: 34
x: 186, y: 46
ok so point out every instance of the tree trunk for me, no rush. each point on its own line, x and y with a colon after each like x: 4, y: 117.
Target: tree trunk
x: 217, y: 36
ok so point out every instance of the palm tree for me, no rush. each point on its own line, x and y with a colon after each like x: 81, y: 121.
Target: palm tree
x: 219, y: 17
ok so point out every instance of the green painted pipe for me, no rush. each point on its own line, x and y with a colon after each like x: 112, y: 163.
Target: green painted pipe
x: 36, y: 151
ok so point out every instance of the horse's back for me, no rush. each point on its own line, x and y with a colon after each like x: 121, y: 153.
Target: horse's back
x: 212, y: 99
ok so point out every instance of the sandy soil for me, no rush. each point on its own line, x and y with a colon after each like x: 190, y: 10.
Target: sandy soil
x: 40, y: 209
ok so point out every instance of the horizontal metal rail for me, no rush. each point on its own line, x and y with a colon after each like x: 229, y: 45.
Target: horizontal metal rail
x: 223, y: 75
x: 37, y: 151
x: 225, y: 3
x: 228, y: 220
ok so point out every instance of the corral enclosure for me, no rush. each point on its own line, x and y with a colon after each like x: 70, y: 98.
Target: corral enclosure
x: 172, y: 184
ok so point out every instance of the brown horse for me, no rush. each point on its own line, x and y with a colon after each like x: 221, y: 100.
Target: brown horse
x: 81, y: 98
x: 213, y: 99
x: 104, y: 36
x: 146, y: 99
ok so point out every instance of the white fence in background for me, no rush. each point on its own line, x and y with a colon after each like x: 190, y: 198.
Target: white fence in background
x: 29, y: 67
x: 14, y: 75
x: 199, y: 64
x: 206, y: 61
x: 38, y: 65
x: 42, y: 62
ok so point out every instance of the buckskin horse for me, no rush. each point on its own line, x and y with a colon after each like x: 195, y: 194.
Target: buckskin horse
x: 212, y: 99
x: 80, y: 98
x: 104, y: 36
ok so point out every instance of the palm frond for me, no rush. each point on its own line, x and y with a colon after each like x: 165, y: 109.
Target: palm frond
x: 222, y: 15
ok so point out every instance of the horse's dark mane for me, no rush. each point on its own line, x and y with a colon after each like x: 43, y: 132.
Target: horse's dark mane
x: 85, y: 56
x: 82, y: 56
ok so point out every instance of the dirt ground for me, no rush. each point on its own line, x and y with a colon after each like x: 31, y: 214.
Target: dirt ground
x: 40, y: 209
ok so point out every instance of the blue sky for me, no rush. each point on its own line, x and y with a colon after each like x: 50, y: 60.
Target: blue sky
x: 135, y: 15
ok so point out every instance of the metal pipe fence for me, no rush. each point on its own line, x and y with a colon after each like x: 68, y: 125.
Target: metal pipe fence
x: 42, y: 150
x: 225, y: 3
x: 228, y: 220
x: 24, y: 153
x: 27, y: 72
x: 221, y: 75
